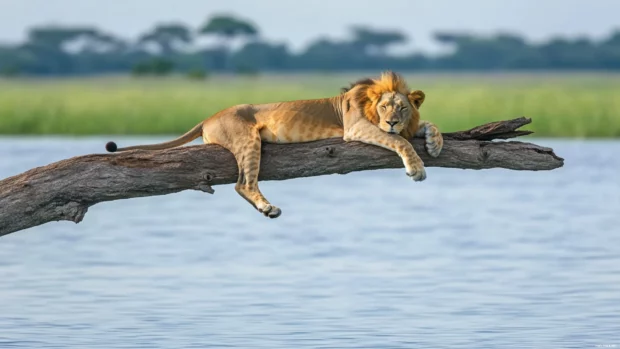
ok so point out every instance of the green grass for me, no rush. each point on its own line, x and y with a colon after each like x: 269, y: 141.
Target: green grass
x: 571, y: 105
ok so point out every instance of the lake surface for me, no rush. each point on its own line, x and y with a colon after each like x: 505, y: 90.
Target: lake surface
x: 465, y: 259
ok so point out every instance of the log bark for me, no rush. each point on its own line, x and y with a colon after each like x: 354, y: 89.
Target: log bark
x: 65, y: 190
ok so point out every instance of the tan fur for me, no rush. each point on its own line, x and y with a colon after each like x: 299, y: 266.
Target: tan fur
x: 189, y: 136
x: 382, y: 111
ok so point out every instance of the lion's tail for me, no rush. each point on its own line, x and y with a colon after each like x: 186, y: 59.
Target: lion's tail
x: 186, y: 138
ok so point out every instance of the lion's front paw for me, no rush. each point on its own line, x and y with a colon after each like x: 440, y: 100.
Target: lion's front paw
x: 434, y: 141
x: 416, y: 171
x: 270, y: 211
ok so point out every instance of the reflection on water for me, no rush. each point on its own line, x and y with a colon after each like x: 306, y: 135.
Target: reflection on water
x: 466, y: 259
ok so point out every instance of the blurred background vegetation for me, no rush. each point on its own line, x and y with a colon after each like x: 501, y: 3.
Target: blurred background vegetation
x: 85, y: 81
x: 171, y: 47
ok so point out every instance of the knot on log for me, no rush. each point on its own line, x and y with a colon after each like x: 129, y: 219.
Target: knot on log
x: 205, y: 184
x: 330, y: 151
x: 73, y: 211
x: 484, y: 153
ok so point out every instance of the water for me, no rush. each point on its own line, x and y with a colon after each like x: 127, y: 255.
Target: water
x: 466, y: 259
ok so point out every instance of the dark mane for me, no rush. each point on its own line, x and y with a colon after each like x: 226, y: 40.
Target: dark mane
x: 365, y: 81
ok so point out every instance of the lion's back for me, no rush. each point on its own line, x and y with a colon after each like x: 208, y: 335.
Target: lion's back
x: 298, y: 121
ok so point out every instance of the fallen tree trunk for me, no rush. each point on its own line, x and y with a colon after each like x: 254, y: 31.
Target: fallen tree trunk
x: 65, y: 190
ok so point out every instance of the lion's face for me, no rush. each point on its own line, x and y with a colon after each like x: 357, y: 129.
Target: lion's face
x: 395, y: 111
x: 389, y: 104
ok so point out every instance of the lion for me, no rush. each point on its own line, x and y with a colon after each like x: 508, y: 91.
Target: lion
x: 381, y: 112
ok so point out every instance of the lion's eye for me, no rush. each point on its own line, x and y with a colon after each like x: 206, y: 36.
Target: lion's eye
x: 383, y: 107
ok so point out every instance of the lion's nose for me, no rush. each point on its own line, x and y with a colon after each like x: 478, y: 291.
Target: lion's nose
x: 392, y: 123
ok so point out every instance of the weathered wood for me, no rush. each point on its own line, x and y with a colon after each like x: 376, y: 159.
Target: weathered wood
x: 65, y: 190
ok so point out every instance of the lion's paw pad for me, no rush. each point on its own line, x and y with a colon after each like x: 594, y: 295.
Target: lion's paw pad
x: 433, y: 148
x: 434, y: 142
x: 270, y: 211
x: 417, y: 176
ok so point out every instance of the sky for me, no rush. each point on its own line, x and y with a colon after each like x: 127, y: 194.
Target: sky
x: 297, y: 23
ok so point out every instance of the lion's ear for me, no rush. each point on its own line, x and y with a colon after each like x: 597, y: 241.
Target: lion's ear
x: 416, y: 98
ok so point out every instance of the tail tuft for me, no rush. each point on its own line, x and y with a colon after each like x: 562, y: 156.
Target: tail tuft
x: 111, y: 147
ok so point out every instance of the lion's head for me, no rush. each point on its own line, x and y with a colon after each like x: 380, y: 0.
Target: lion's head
x: 388, y: 103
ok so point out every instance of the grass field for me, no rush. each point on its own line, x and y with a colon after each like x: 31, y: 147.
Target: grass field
x: 571, y: 105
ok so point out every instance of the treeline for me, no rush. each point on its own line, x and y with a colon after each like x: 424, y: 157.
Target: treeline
x: 171, y: 47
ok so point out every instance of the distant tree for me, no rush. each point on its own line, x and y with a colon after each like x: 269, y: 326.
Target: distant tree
x: 329, y: 55
x: 510, y: 40
x: 227, y: 28
x: 569, y: 54
x: 13, y: 61
x: 9, y: 62
x: 167, y: 37
x: 613, y: 39
x: 55, y: 37
x: 161, y: 66
x: 48, y: 49
x: 451, y: 38
x: 608, y: 55
x: 376, y: 41
x: 46, y: 45
x: 261, y: 55
x: 501, y: 51
x: 98, y: 52
x: 102, y: 42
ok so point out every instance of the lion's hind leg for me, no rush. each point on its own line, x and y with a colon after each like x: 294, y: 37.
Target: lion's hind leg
x: 240, y: 135
x: 248, y: 161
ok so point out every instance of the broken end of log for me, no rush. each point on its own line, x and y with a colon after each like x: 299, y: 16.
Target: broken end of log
x: 493, y: 130
x: 549, y: 152
x: 519, y: 156
x: 514, y: 155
